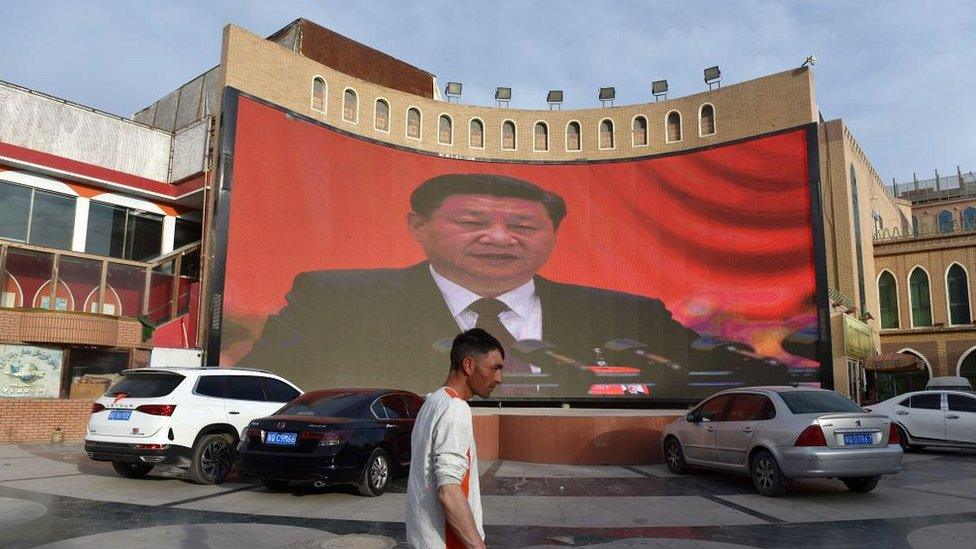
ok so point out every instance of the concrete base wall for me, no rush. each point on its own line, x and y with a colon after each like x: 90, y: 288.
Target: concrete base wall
x: 603, y: 438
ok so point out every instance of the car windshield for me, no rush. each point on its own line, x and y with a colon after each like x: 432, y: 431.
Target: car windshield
x: 340, y: 405
x: 817, y: 402
x: 139, y: 385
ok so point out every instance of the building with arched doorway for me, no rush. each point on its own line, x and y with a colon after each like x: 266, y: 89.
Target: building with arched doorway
x: 925, y: 279
x: 127, y: 212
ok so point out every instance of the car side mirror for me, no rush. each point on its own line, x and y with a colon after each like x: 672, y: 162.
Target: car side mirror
x: 692, y: 418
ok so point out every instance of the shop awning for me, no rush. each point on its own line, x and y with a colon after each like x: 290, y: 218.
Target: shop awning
x: 893, y: 363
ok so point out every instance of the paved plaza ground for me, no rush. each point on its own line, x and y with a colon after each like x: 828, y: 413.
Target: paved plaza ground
x: 53, y: 496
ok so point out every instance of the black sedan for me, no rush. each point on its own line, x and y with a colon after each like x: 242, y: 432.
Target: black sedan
x: 335, y: 436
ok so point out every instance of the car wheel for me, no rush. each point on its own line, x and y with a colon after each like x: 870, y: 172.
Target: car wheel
x: 767, y: 477
x: 861, y: 484
x: 376, y: 474
x: 903, y: 441
x: 274, y: 484
x: 132, y: 470
x: 675, y: 456
x: 213, y: 456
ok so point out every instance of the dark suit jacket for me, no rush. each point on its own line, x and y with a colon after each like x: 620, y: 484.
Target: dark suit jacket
x: 376, y: 328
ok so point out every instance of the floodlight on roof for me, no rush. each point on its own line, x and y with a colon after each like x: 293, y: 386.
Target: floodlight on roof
x: 554, y: 98
x: 453, y: 89
x: 659, y: 88
x: 713, y: 76
x: 607, y: 94
x: 502, y: 95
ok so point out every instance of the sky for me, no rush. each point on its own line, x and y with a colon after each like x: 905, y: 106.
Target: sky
x: 900, y: 73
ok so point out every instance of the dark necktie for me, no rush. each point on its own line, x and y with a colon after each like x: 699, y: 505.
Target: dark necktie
x: 488, y: 309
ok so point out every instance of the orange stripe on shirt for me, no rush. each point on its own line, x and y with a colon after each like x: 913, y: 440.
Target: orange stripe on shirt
x: 451, y: 538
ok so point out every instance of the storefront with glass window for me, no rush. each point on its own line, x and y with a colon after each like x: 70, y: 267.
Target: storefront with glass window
x: 106, y: 268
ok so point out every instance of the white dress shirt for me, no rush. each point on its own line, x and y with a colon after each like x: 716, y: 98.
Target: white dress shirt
x: 523, y: 319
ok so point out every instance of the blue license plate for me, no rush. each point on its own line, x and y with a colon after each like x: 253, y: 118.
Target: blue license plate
x: 281, y: 439
x: 855, y: 439
x: 120, y: 415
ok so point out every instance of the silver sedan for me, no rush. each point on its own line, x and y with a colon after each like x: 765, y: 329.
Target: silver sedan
x: 776, y: 434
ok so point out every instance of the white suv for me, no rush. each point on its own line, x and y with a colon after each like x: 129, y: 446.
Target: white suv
x: 188, y: 417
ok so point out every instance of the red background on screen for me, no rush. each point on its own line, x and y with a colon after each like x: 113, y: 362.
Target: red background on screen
x: 722, y: 235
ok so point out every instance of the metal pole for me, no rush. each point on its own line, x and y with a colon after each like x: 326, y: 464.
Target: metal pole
x: 52, y: 304
x: 3, y: 273
x: 102, y: 282
x: 175, y: 293
x: 145, y: 289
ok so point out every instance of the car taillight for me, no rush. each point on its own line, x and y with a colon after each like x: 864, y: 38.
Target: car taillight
x: 893, y: 436
x: 310, y: 435
x: 253, y: 434
x: 811, y: 436
x: 151, y: 446
x: 334, y: 438
x: 157, y: 409
x: 96, y: 407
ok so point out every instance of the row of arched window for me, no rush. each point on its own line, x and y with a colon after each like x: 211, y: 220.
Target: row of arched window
x: 920, y: 298
x: 947, y: 221
x: 607, y: 138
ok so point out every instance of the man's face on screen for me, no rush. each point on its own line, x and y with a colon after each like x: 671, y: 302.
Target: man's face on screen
x: 486, y: 243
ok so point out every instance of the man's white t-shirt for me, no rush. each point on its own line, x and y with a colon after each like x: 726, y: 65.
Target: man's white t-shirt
x: 442, y: 452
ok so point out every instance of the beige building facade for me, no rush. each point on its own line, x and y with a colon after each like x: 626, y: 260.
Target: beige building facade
x: 852, y: 193
x: 925, y: 281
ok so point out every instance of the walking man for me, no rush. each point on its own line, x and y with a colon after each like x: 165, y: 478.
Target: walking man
x: 443, y: 493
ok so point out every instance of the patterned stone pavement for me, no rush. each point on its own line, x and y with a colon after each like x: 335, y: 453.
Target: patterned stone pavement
x: 53, y: 496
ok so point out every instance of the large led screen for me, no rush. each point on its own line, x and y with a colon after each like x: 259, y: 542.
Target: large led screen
x: 348, y: 262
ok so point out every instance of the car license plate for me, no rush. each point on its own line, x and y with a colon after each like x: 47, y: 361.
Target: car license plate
x: 281, y: 439
x: 855, y: 439
x: 120, y: 415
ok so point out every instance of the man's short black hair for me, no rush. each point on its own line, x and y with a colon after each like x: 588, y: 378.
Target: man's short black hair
x: 431, y: 193
x: 473, y: 342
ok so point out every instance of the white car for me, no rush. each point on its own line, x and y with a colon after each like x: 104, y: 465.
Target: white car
x: 932, y: 418
x: 188, y: 417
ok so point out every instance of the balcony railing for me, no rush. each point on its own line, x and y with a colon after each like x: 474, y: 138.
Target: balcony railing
x: 156, y: 291
x: 960, y: 185
x: 925, y: 230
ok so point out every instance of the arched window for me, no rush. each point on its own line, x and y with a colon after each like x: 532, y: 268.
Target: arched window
x: 918, y: 285
x: 888, y: 296
x: 639, y: 131
x: 382, y: 116
x: 858, y: 247
x: 946, y: 223
x: 476, y: 134
x: 673, y: 127
x: 445, y: 130
x: 413, y: 122
x: 914, y: 225
x: 957, y: 287
x: 508, y: 135
x: 318, y: 93
x: 606, y: 134
x: 541, y: 141
x: 350, y: 106
x: 573, y: 136
x: 969, y: 218
x: 706, y: 120
x: 967, y: 367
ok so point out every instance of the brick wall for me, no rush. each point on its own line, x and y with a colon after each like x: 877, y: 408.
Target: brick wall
x: 746, y: 109
x: 34, y: 419
x: 40, y: 326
